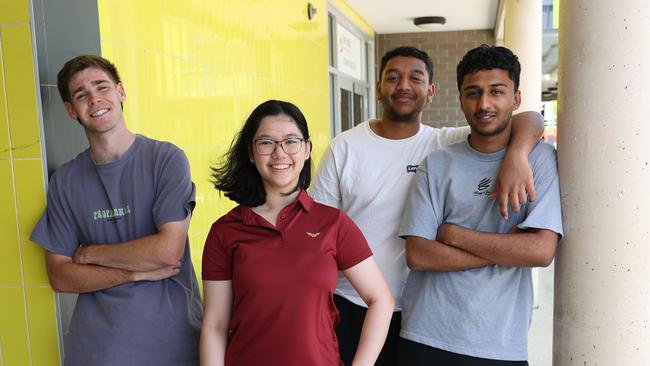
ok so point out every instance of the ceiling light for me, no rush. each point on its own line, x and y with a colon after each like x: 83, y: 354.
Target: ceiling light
x: 429, y: 22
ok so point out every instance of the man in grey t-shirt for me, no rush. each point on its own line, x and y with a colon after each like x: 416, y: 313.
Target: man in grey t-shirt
x: 115, y: 231
x: 468, y: 299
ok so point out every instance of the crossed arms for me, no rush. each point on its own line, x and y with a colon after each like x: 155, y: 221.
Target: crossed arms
x: 457, y: 248
x: 101, y: 266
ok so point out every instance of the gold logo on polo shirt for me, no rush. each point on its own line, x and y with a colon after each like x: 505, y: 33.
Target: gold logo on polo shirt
x: 313, y: 235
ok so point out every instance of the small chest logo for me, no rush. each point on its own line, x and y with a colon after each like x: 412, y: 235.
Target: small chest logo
x: 312, y: 235
x: 483, y: 187
x: 411, y: 168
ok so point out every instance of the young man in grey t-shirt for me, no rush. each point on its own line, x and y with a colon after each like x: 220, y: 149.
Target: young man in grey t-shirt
x: 115, y: 232
x: 468, y: 298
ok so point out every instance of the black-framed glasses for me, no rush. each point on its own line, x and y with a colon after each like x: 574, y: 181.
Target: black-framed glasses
x: 290, y: 145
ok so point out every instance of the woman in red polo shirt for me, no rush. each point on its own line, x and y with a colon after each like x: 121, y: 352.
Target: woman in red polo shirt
x: 270, y: 265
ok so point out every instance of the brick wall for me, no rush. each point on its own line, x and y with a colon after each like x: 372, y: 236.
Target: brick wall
x: 445, y: 49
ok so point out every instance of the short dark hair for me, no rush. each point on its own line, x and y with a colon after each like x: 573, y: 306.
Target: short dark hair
x: 78, y: 64
x: 408, y: 51
x: 236, y: 176
x: 487, y: 57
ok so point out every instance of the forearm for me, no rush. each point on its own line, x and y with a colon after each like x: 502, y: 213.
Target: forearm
x: 535, y: 248
x: 217, y: 303
x: 213, y: 346
x: 373, y: 332
x: 432, y: 255
x: 82, y: 278
x: 67, y: 276
x: 143, y: 254
x: 527, y: 130
x: 148, y: 253
x: 514, y: 184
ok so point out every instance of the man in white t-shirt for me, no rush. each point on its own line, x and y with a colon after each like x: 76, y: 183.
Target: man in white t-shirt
x: 367, y: 172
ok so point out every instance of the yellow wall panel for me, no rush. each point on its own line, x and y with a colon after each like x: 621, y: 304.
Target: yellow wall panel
x: 21, y: 91
x: 30, y: 201
x: 41, y: 312
x: 13, y: 329
x: 4, y: 122
x: 9, y: 248
x: 14, y: 12
x: 194, y: 70
x: 23, y: 340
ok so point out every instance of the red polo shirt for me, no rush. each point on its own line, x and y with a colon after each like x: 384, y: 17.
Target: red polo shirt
x: 283, y: 279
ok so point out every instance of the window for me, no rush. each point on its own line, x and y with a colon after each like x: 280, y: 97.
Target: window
x: 351, y: 79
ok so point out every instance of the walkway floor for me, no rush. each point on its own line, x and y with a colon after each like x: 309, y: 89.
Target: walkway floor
x: 540, y: 338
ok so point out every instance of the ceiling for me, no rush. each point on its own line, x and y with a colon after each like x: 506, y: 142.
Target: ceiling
x: 391, y: 16
x: 396, y: 16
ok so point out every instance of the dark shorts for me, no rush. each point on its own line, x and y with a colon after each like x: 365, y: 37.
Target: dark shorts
x: 349, y: 331
x: 416, y: 354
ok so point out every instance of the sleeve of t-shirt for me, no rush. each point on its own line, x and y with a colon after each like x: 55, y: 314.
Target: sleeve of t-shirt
x: 175, y: 191
x: 55, y: 230
x: 217, y: 257
x: 452, y: 135
x: 325, y: 188
x: 420, y: 216
x: 545, y: 212
x: 351, y: 247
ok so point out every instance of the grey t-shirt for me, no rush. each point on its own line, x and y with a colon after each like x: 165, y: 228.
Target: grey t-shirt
x: 138, y: 323
x: 483, y: 312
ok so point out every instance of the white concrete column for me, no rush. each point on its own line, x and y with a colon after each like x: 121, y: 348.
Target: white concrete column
x: 602, y: 272
x: 523, y: 35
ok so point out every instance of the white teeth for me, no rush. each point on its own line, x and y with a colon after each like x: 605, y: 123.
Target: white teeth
x: 100, y: 112
x: 280, y: 166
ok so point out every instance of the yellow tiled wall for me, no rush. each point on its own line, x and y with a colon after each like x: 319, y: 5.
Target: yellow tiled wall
x: 352, y: 16
x: 193, y: 71
x: 28, y: 329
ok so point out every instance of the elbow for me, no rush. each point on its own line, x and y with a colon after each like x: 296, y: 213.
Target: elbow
x: 56, y: 277
x: 171, y: 259
x: 57, y: 283
x: 546, y: 255
x: 412, y: 261
x: 540, y: 262
x: 545, y: 259
x: 172, y: 253
x: 387, y: 304
x: 57, y: 286
x: 412, y: 253
x: 545, y: 246
x: 382, y: 300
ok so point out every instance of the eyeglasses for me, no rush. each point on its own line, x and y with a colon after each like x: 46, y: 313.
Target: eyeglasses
x: 290, y: 145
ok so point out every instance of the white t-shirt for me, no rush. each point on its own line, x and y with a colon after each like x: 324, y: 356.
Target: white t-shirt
x: 369, y: 177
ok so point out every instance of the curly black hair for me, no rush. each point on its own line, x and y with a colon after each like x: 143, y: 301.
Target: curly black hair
x: 408, y: 51
x: 487, y: 57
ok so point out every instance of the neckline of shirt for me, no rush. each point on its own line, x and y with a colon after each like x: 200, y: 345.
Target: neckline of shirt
x: 392, y: 142
x: 495, y: 156
x: 121, y: 161
x: 249, y: 217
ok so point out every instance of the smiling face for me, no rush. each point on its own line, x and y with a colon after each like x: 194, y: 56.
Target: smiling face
x: 96, y: 101
x: 404, y: 89
x: 280, y: 171
x: 488, y: 98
